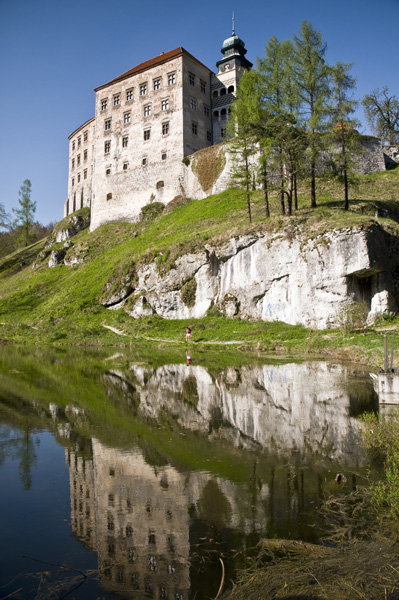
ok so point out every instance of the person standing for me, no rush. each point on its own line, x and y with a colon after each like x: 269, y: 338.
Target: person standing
x: 188, y: 333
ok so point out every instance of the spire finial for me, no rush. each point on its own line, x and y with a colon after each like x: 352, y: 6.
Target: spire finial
x: 233, y: 32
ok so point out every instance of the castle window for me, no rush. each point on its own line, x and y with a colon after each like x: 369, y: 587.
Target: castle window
x: 230, y: 89
x: 85, y: 174
x: 215, y: 115
x: 193, y: 104
x: 79, y: 141
x: 165, y: 104
x: 125, y: 166
x: 107, y: 147
x: 208, y: 136
x: 117, y: 99
x: 73, y: 164
x: 81, y: 206
x: 191, y: 79
x: 73, y: 181
x: 85, y: 155
x: 74, y: 208
x: 85, y: 136
x: 157, y: 84
x: 143, y: 89
x: 207, y: 111
x: 78, y: 177
x: 215, y: 94
x: 164, y: 156
x: 194, y: 128
x: 108, y: 171
x: 78, y: 159
x: 223, y: 92
x: 223, y: 114
x: 129, y: 95
x: 73, y: 146
x: 144, y: 161
x: 171, y: 78
x: 160, y: 185
x: 147, y: 134
x: 203, y: 86
x: 125, y: 141
x: 165, y: 128
x: 109, y: 197
x: 126, y: 117
x: 104, y: 104
x: 147, y: 110
x: 107, y: 124
x: 222, y: 132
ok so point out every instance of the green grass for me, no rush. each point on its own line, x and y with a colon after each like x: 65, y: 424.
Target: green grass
x: 61, y: 305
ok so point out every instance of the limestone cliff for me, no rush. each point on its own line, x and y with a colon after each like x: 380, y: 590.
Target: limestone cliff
x: 285, y: 277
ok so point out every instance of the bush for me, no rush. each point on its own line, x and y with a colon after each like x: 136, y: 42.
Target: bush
x: 188, y: 292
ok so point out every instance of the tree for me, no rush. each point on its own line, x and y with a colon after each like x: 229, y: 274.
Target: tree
x: 26, y: 212
x: 4, y: 218
x: 281, y: 104
x: 344, y: 132
x: 243, y: 127
x: 382, y: 113
x: 312, y: 79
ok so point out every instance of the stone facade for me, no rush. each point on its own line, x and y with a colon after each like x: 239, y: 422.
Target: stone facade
x: 81, y: 147
x: 146, y: 121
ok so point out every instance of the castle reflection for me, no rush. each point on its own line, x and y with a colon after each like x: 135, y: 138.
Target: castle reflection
x: 149, y: 522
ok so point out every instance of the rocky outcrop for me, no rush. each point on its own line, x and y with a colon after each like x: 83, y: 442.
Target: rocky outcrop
x: 279, y: 277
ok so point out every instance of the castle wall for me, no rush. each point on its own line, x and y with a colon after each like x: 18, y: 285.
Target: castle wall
x: 81, y: 150
x: 145, y: 124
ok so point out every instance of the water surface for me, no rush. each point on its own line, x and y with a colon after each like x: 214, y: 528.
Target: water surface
x: 127, y: 476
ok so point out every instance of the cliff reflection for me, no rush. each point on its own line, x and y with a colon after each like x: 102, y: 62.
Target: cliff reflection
x: 149, y: 520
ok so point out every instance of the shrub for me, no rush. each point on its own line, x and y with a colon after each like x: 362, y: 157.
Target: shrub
x: 188, y: 292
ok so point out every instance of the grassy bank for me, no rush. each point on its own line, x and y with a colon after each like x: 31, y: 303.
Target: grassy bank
x: 61, y: 305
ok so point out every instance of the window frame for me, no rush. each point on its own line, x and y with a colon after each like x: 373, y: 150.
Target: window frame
x: 143, y: 89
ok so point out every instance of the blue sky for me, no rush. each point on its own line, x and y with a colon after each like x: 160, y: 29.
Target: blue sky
x: 53, y: 54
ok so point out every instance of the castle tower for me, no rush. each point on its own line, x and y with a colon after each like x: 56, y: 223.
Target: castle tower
x: 224, y: 84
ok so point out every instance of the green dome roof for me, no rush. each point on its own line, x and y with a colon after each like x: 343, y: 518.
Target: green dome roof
x: 234, y: 40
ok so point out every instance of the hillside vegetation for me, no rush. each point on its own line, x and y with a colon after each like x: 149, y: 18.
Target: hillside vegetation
x: 61, y: 305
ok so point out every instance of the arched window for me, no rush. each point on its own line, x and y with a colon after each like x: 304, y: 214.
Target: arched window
x: 223, y: 92
x: 215, y: 94
x: 223, y: 114
x: 230, y: 89
x: 215, y: 115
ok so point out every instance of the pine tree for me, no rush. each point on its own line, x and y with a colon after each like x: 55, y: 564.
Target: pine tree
x: 25, y: 214
x: 344, y: 132
x: 312, y: 78
x: 244, y: 124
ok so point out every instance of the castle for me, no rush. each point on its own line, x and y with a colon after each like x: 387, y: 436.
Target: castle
x: 149, y: 119
x: 146, y: 121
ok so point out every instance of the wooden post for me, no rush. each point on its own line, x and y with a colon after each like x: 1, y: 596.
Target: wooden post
x: 385, y: 352
x: 393, y: 345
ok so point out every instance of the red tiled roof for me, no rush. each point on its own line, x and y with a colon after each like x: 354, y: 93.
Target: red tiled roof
x: 158, y: 60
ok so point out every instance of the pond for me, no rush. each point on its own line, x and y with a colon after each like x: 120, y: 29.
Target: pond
x: 150, y: 474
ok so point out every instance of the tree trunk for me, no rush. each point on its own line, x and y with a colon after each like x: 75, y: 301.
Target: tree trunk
x: 265, y: 191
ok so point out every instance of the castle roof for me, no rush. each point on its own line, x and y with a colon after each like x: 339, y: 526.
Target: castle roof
x: 148, y: 64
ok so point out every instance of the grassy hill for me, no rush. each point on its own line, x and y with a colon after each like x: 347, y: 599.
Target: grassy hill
x: 60, y: 305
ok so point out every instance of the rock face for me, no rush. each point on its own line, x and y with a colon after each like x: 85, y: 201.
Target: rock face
x: 279, y: 277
